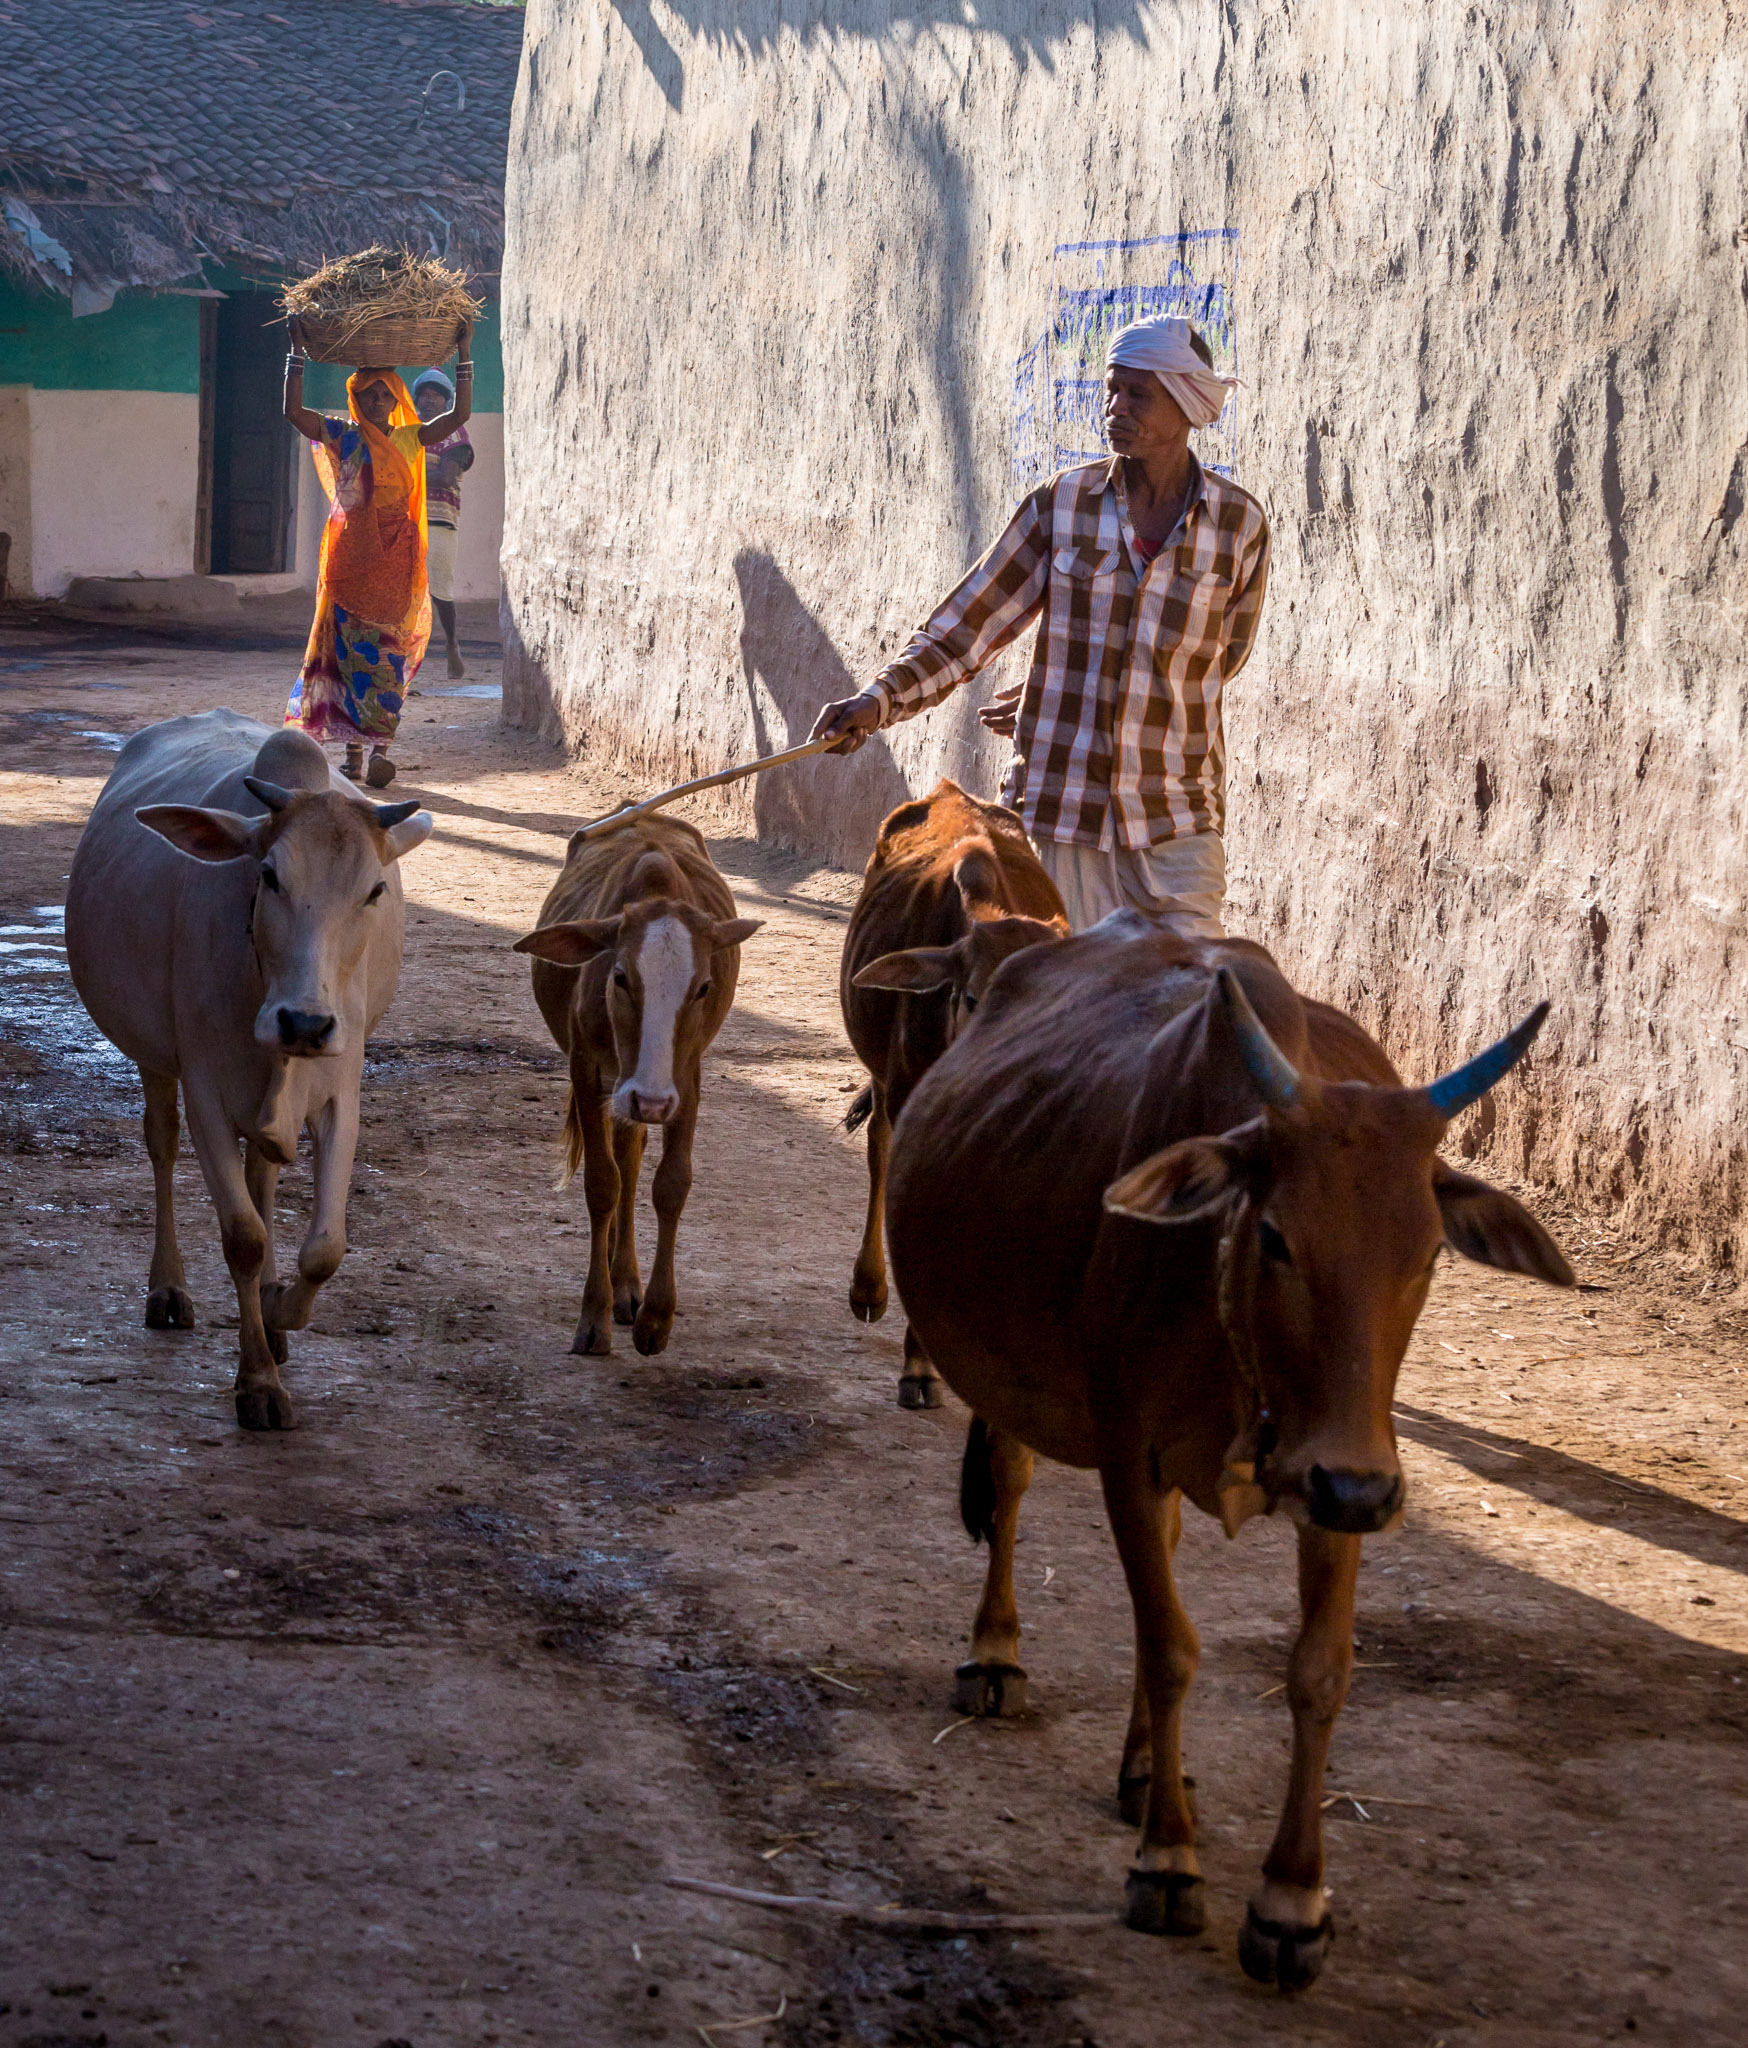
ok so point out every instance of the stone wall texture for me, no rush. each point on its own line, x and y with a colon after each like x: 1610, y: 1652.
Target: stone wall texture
x: 769, y: 273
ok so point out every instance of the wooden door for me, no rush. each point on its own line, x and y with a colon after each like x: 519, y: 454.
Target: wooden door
x: 253, y: 447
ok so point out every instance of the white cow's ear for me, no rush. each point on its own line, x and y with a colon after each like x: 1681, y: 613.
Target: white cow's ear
x: 733, y: 931
x: 569, y: 945
x: 410, y: 832
x: 205, y: 835
x: 915, y: 973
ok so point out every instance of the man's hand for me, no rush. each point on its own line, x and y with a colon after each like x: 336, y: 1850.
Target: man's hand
x: 850, y: 720
x: 1002, y: 713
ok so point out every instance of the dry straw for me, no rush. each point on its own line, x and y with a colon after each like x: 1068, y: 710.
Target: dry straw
x: 350, y: 293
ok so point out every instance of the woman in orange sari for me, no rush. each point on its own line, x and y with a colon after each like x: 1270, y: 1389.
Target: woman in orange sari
x: 373, y: 607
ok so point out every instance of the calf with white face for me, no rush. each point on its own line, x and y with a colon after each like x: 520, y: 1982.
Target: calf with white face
x: 635, y: 963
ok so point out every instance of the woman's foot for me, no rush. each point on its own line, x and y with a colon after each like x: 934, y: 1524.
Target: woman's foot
x: 353, y: 765
x: 381, y: 771
x: 457, y: 667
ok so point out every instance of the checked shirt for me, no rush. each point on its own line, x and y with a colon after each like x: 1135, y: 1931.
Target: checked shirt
x: 1118, y: 741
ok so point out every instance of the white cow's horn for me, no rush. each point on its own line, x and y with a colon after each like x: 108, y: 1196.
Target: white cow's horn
x: 388, y: 816
x: 268, y: 793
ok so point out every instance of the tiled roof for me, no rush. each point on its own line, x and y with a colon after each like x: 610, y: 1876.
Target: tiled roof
x: 257, y: 126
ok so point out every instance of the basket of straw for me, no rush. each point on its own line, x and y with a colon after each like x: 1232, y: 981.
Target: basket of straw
x: 380, y: 308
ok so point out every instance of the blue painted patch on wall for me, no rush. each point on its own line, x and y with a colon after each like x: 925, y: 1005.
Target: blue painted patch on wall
x: 1095, y: 287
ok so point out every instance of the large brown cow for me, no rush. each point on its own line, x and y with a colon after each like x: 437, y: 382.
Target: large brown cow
x: 1159, y: 1215
x: 951, y: 889
x: 234, y: 925
x: 636, y: 959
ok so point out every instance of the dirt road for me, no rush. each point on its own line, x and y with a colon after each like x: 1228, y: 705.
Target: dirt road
x: 390, y: 1731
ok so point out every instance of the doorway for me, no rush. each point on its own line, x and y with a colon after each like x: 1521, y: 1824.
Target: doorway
x: 252, y: 448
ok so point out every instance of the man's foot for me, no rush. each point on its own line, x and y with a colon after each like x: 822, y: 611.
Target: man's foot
x: 353, y: 765
x: 381, y: 771
x: 457, y: 667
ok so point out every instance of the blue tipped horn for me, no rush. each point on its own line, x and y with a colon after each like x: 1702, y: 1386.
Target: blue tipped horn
x: 1277, y: 1080
x: 1452, y: 1093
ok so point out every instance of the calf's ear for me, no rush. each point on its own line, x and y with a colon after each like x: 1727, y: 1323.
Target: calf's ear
x: 569, y: 945
x: 1494, y: 1230
x: 202, y: 834
x: 733, y: 931
x: 1189, y: 1181
x: 915, y: 972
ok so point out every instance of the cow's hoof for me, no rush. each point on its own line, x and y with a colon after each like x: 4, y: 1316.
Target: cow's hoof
x: 917, y: 1391
x: 651, y: 1333
x: 625, y: 1308
x: 169, y: 1308
x: 1273, y: 1953
x: 1164, y: 1902
x: 593, y: 1340
x: 989, y: 1689
x: 867, y: 1304
x: 279, y: 1344
x: 264, y: 1407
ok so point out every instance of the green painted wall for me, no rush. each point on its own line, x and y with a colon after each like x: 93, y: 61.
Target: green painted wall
x: 151, y: 342
x: 145, y: 342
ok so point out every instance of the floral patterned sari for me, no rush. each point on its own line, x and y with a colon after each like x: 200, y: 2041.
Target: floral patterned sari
x: 373, y: 606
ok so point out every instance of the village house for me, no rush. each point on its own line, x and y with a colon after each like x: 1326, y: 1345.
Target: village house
x: 163, y: 170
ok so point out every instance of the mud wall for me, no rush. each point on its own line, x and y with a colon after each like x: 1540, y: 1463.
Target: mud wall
x: 790, y: 315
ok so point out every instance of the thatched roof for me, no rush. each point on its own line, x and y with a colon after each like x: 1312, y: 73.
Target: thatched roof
x: 140, y: 137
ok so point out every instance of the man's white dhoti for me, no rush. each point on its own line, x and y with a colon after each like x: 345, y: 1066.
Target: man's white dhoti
x: 1182, y: 882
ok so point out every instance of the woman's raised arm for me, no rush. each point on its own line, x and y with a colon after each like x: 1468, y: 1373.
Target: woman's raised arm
x: 309, y: 424
x: 458, y: 415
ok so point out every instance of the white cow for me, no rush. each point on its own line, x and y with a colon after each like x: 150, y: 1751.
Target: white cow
x: 234, y: 926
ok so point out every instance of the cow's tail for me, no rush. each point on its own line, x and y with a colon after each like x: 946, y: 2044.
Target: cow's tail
x: 860, y: 1110
x: 573, y: 1140
x: 977, y: 1484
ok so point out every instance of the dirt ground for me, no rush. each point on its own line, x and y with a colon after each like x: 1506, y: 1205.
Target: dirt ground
x: 392, y: 1730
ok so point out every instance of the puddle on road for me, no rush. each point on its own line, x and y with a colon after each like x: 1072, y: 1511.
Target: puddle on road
x: 467, y: 690
x: 45, y: 1019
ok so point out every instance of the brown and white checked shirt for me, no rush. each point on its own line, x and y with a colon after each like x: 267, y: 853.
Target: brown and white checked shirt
x: 1118, y: 741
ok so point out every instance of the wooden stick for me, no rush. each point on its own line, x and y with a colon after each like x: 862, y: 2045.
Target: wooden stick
x: 907, y: 1919
x: 628, y: 812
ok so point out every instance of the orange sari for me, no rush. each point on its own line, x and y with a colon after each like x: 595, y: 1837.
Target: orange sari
x: 373, y: 605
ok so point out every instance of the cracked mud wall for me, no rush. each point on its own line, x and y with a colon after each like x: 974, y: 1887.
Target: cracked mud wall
x: 766, y: 283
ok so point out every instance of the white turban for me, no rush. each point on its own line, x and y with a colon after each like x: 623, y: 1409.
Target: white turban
x: 1162, y: 345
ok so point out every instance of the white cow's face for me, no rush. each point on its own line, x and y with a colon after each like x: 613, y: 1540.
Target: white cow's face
x: 324, y: 864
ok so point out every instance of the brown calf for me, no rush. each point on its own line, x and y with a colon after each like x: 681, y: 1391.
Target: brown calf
x: 1161, y: 1216
x: 636, y: 958
x: 951, y: 889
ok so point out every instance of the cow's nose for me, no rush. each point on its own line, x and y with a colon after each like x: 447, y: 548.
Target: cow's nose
x: 652, y: 1109
x: 1353, y: 1503
x: 304, y: 1030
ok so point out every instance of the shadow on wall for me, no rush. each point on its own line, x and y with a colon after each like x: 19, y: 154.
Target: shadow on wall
x: 791, y: 668
x: 1036, y: 28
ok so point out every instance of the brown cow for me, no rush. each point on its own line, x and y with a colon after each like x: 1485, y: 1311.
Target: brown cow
x: 636, y: 958
x: 1141, y: 1230
x: 951, y: 889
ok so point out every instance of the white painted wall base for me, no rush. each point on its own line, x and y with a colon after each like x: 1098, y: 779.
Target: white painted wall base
x: 481, y: 534
x: 113, y: 477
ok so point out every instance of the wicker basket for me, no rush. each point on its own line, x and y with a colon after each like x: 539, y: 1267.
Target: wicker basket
x: 379, y: 344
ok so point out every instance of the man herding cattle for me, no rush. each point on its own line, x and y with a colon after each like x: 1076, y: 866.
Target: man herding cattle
x: 1148, y: 573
